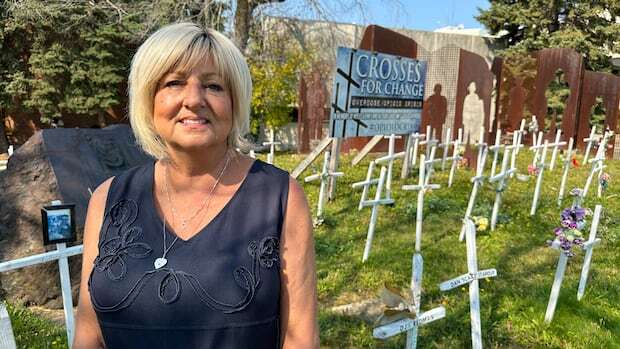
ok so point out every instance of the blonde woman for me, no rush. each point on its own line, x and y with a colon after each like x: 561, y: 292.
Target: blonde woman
x: 204, y: 247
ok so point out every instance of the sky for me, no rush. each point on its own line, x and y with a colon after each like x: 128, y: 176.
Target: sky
x: 411, y: 14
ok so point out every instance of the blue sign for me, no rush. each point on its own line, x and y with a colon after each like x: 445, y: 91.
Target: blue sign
x: 376, y: 94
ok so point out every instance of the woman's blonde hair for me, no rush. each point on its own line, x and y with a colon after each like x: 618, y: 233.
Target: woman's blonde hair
x: 181, y: 47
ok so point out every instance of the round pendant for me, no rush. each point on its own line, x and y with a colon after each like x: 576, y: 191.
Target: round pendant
x: 160, y: 262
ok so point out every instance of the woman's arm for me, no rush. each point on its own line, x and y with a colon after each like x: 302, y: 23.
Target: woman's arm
x: 298, y: 286
x: 87, y: 331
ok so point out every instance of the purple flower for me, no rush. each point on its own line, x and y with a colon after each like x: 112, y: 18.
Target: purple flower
x: 579, y: 213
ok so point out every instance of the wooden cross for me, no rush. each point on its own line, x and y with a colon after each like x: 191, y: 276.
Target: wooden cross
x: 421, y: 187
x: 517, y: 143
x: 477, y: 183
x: 407, y: 324
x: 540, y: 167
x: 597, y: 163
x: 411, y: 153
x: 375, y: 211
x: 589, y: 142
x: 324, y: 176
x: 501, y: 178
x: 366, y: 184
x: 472, y: 277
x: 455, y: 156
x: 561, y: 268
x: 567, y: 164
x: 389, y: 158
x: 557, y: 144
x: 272, y: 146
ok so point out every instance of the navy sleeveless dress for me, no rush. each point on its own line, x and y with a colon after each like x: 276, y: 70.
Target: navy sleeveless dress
x: 219, y: 289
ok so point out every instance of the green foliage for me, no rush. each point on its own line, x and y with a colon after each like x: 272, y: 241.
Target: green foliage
x: 59, y: 57
x: 274, y: 88
x: 590, y: 27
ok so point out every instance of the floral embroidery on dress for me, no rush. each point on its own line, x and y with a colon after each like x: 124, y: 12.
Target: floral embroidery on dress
x: 112, y: 251
x: 267, y: 251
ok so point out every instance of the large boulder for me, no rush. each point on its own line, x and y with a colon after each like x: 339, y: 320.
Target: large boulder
x: 54, y: 164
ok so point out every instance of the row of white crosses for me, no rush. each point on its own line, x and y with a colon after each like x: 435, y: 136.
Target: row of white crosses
x: 588, y: 247
x: 324, y: 176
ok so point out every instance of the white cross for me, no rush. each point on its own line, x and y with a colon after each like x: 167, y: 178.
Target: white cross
x: 411, y: 153
x: 430, y: 141
x: 557, y: 144
x: 411, y: 325
x: 501, y: 178
x: 421, y: 187
x: 324, y: 176
x: 430, y: 164
x: 495, y: 148
x: 588, y: 246
x: 477, y: 182
x: 540, y: 167
x: 455, y: 156
x: 445, y: 146
x: 517, y: 143
x: 597, y: 163
x: 589, y: 142
x: 272, y: 146
x: 559, y: 272
x: 389, y: 158
x: 481, y: 144
x: 536, y: 148
x: 366, y: 184
x: 472, y: 277
x: 567, y: 164
x: 375, y: 211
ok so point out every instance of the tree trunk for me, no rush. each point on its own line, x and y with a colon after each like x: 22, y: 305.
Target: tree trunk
x: 243, y: 20
x: 4, y: 143
x: 242, y: 23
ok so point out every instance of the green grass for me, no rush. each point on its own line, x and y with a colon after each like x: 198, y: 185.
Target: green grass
x: 512, y: 304
x: 32, y: 331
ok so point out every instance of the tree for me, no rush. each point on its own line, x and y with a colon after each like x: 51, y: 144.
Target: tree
x: 590, y: 27
x: 275, y: 76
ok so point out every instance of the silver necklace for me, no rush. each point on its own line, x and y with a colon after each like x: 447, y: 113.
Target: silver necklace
x: 162, y: 261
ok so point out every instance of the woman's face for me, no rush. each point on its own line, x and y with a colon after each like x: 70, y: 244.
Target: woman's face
x: 193, y: 110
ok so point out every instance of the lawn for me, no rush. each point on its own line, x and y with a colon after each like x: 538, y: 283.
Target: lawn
x: 512, y: 304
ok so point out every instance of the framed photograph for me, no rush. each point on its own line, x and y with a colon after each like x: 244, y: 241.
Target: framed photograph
x: 58, y: 223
